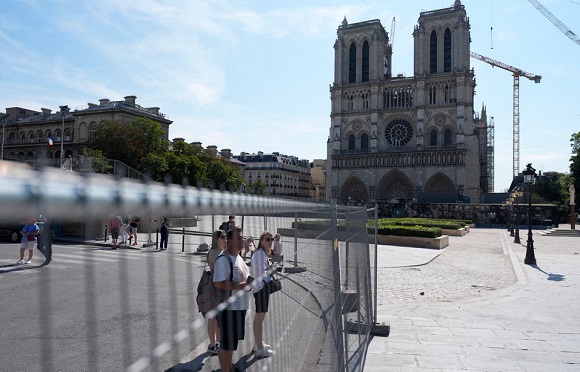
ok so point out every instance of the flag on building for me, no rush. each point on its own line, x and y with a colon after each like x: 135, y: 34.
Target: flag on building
x: 49, y: 141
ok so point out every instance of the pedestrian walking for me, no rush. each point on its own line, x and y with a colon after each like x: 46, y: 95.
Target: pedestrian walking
x: 218, y: 244
x: 276, y: 255
x: 164, y: 231
x: 231, y: 274
x: 29, y: 233
x: 230, y: 223
x: 134, y: 225
x: 260, y: 269
x: 115, y: 223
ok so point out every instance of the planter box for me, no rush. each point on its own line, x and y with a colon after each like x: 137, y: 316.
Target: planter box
x: 405, y: 241
x: 458, y: 232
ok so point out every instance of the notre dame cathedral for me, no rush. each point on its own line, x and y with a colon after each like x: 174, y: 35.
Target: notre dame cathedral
x: 397, y: 139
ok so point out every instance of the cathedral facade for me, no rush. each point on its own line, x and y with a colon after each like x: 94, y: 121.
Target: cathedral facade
x: 400, y: 139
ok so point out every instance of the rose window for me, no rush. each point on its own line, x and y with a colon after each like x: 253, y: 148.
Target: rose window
x: 398, y: 132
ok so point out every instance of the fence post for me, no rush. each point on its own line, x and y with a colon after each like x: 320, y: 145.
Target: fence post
x: 295, y: 240
x: 183, y: 241
x: 376, y: 298
x: 338, y: 320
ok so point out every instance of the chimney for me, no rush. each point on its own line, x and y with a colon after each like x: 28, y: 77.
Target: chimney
x: 178, y: 139
x: 212, y: 149
x: 153, y: 110
x: 45, y: 111
x: 196, y: 144
x: 227, y: 153
x: 92, y: 105
x: 130, y: 100
x: 103, y: 101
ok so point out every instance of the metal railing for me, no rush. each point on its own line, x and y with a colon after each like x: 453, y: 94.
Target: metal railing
x: 321, y: 319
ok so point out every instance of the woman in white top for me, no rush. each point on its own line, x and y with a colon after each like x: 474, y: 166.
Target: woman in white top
x: 259, y: 270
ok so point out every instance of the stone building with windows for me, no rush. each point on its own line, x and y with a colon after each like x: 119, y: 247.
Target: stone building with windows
x: 396, y: 139
x: 25, y: 133
x: 283, y: 175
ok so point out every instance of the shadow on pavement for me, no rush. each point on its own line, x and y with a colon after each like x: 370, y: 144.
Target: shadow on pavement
x: 554, y: 277
x: 193, y: 365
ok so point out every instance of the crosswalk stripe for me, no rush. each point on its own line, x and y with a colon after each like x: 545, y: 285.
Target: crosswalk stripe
x: 83, y: 257
x: 117, y: 254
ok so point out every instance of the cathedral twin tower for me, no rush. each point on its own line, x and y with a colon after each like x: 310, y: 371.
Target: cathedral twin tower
x: 404, y: 139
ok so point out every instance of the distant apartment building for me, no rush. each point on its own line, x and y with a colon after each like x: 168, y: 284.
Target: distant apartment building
x: 283, y: 175
x: 318, y: 174
x: 25, y: 133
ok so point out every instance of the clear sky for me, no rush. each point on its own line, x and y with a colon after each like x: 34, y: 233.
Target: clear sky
x: 254, y: 75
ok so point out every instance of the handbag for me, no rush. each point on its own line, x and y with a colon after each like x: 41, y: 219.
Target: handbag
x: 273, y: 285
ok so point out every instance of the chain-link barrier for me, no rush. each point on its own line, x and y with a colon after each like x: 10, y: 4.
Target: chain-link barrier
x: 96, y: 309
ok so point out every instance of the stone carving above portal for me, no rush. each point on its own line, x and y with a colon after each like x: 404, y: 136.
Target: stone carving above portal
x: 440, y: 120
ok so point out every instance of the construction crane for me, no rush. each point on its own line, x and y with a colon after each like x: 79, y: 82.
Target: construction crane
x: 516, y: 107
x: 552, y: 18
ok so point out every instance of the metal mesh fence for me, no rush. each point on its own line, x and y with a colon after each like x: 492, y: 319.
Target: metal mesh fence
x: 96, y: 309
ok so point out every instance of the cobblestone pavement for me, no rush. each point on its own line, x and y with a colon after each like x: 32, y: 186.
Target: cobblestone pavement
x: 465, y: 269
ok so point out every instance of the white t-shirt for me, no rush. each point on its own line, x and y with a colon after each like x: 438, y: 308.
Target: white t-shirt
x: 258, y: 268
x: 221, y: 272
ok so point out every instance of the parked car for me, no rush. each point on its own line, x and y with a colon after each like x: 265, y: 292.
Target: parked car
x: 11, y: 230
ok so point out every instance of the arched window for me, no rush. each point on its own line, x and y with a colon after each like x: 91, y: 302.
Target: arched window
x: 446, y: 93
x: 365, y: 61
x: 67, y: 135
x: 351, y: 142
x: 364, y: 141
x: 57, y: 135
x: 92, y: 129
x: 447, y: 137
x: 447, y: 51
x: 31, y: 136
x: 433, y: 53
x: 22, y: 138
x: 49, y: 135
x: 433, y: 137
x: 39, y: 136
x: 352, y: 63
x: 11, y: 138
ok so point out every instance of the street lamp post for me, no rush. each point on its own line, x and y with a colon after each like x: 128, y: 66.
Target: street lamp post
x: 2, y: 154
x: 517, y: 219
x: 572, y: 207
x: 63, y: 110
x: 530, y: 178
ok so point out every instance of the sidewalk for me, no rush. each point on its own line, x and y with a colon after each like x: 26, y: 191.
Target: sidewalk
x: 532, y: 325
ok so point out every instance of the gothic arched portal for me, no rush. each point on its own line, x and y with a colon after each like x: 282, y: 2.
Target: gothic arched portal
x: 395, y: 185
x: 439, y: 183
x: 354, y: 191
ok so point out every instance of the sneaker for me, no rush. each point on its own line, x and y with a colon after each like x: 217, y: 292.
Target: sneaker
x: 255, y: 348
x: 263, y: 352
x: 28, y: 262
x: 19, y: 262
x: 135, y: 243
x: 213, y: 349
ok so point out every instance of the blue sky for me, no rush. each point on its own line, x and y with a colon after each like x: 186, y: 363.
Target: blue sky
x: 254, y: 75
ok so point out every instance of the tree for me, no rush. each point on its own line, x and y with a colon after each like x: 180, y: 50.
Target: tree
x: 575, y: 163
x: 258, y: 188
x: 130, y: 142
x: 94, y: 161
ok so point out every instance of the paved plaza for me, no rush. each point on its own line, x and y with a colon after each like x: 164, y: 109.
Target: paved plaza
x: 475, y: 306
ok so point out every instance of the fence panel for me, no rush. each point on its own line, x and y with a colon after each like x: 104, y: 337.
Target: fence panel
x: 131, y: 309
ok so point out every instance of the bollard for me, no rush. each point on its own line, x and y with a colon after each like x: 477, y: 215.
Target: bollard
x: 157, y: 239
x: 183, y: 241
x: 106, y: 233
